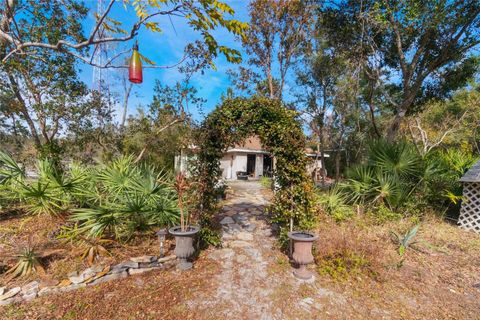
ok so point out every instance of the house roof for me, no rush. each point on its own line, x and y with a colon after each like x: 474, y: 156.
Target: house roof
x: 251, y: 143
x: 473, y: 174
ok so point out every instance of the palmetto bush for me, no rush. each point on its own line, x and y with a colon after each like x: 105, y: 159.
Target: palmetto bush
x: 54, y: 191
x: 114, y: 200
x: 334, y: 203
x: 122, y: 198
x: 11, y: 177
x: 390, y: 176
x: 50, y: 193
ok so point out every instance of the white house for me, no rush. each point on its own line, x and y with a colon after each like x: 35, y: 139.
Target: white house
x: 249, y: 159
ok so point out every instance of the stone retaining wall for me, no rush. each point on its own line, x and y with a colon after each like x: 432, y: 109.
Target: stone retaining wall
x: 88, y: 277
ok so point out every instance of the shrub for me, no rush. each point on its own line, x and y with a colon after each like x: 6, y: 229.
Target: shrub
x: 124, y: 198
x: 448, y: 167
x: 11, y: 177
x: 115, y: 199
x: 334, y: 203
x: 391, y: 174
x: 381, y: 214
x: 55, y: 191
x: 28, y: 261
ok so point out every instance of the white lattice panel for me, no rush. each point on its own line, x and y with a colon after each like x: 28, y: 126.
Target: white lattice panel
x: 470, y: 211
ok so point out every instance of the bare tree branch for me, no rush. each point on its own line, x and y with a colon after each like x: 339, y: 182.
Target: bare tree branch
x: 61, y: 45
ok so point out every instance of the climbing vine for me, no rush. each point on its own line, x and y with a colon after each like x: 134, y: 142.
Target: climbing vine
x: 280, y: 133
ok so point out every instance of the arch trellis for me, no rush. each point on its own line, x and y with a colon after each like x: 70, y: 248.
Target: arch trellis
x: 280, y: 133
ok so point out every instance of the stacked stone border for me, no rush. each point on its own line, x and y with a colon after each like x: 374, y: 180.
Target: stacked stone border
x: 88, y: 277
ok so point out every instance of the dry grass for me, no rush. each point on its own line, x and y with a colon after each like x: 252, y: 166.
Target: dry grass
x: 359, y: 277
x: 346, y: 250
x: 439, y: 277
x: 156, y: 295
x: 60, y: 257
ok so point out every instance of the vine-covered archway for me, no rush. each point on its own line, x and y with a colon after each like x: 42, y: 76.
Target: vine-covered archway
x: 280, y: 133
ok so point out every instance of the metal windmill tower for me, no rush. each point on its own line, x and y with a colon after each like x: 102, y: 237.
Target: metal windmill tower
x: 100, y: 79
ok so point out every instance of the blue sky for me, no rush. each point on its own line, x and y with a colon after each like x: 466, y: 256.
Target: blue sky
x: 167, y: 48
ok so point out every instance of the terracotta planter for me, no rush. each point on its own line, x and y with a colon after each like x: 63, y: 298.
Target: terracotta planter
x: 302, y: 252
x: 184, y: 244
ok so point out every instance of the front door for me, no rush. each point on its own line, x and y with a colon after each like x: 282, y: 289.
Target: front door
x: 251, y: 165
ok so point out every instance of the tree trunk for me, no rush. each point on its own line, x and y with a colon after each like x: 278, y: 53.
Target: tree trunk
x: 125, y: 104
x: 337, y: 165
x: 395, y: 126
x: 24, y: 111
x: 270, y: 84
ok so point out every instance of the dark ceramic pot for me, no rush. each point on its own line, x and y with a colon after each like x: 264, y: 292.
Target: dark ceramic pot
x: 184, y: 244
x: 302, y: 252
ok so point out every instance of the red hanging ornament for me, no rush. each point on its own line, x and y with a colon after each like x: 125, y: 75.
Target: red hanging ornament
x: 135, y: 68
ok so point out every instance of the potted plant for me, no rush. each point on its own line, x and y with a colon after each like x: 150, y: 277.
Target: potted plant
x: 302, y: 252
x: 220, y: 188
x: 184, y: 233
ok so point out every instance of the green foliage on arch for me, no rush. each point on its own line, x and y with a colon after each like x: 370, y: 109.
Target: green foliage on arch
x: 280, y: 133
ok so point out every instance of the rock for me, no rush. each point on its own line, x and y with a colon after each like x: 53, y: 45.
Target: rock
x: 46, y: 290
x: 30, y: 288
x: 243, y: 223
x: 2, y: 290
x: 158, y: 265
x: 144, y: 259
x: 110, y: 277
x: 239, y: 244
x: 227, y: 220
x: 241, y: 258
x: 142, y: 270
x: 239, y: 217
x: 88, y: 273
x: 245, y: 236
x: 51, y: 290
x: 230, y: 212
x: 221, y: 254
x: 118, y: 269
x: 235, y: 227
x: 167, y: 258
x: 127, y: 265
x: 76, y: 278
x: 10, y: 293
x: 10, y: 301
x: 30, y: 296
x: 142, y: 265
x: 251, y: 227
